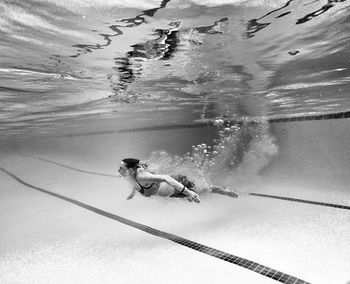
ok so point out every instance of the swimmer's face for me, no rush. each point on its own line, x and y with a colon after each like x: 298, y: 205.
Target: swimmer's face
x: 123, y: 170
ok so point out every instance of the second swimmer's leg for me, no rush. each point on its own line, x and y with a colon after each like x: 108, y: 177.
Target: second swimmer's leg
x: 222, y: 191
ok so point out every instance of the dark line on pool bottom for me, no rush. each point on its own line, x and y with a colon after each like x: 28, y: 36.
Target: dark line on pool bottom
x: 302, y: 201
x: 245, y: 263
x: 71, y: 168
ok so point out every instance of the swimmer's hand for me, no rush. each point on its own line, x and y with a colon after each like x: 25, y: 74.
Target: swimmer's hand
x: 192, y: 196
x: 132, y: 194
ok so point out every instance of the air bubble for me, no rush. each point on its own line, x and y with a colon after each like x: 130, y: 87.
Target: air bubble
x: 218, y: 122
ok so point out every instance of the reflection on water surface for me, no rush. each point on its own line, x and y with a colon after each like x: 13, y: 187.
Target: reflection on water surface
x: 175, y: 62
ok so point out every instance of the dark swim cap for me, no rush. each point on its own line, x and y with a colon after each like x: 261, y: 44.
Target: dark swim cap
x: 131, y: 162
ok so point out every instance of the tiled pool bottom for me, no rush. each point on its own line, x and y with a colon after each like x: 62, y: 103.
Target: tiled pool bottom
x: 245, y: 263
x: 297, y: 239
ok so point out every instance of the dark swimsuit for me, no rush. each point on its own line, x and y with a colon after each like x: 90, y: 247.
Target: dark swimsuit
x: 180, y: 178
x: 143, y: 188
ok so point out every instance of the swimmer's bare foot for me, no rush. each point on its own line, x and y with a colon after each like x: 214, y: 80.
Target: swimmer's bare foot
x: 223, y: 191
x: 232, y: 194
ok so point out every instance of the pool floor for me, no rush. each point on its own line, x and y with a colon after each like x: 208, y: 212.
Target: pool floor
x: 47, y: 239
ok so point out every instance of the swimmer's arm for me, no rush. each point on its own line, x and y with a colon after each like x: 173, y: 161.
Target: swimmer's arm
x: 132, y: 194
x: 151, y: 178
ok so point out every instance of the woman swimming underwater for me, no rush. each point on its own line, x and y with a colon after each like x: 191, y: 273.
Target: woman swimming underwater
x: 148, y: 183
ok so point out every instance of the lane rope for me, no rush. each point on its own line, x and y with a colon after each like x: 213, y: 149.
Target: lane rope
x: 242, y: 262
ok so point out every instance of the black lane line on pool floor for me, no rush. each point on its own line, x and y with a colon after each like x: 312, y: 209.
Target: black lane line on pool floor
x: 245, y: 263
x: 69, y: 167
x: 301, y: 201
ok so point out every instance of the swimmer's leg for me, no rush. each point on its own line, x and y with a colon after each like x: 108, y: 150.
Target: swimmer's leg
x: 222, y: 191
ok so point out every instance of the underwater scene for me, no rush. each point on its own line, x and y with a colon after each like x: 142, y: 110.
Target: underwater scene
x: 250, y: 96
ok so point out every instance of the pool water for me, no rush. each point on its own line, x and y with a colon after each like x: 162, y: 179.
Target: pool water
x: 251, y: 95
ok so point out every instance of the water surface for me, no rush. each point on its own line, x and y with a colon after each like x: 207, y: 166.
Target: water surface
x: 81, y: 67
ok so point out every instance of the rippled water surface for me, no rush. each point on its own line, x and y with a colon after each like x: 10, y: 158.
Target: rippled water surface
x: 82, y: 66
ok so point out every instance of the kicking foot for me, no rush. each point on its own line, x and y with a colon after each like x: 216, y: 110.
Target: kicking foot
x: 223, y: 191
x: 232, y: 194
